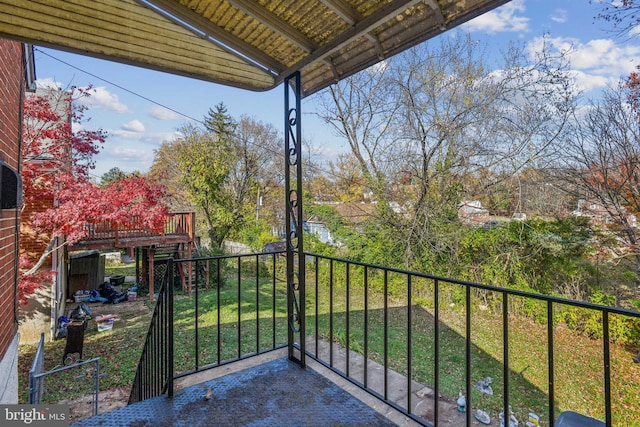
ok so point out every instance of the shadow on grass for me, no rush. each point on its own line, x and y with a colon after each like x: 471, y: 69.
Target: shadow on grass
x: 393, y: 347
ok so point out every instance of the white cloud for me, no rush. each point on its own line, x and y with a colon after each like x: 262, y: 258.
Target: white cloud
x: 162, y: 113
x: 102, y: 98
x: 596, y: 63
x: 588, y: 82
x: 133, y: 126
x: 48, y: 83
x: 155, y: 138
x: 127, y: 158
x: 559, y: 16
x: 501, y: 20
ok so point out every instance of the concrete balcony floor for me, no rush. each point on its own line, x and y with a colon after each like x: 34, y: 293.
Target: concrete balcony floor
x: 274, y: 392
x: 271, y: 390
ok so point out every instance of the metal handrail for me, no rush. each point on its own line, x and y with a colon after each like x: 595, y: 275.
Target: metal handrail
x: 154, y: 374
x: 162, y: 360
x: 326, y: 276
x: 36, y: 388
x: 247, y: 279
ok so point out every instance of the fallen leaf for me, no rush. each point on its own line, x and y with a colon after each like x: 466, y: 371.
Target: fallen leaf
x: 209, y: 394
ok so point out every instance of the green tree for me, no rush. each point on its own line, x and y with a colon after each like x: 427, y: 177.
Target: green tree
x: 228, y: 171
x: 220, y: 123
x: 204, y: 161
x: 112, y: 175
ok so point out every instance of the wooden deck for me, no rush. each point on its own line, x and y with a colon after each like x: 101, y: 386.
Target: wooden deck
x: 179, y: 228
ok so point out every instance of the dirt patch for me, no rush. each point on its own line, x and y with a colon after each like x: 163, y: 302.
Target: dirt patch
x: 128, y: 312
x: 108, y: 400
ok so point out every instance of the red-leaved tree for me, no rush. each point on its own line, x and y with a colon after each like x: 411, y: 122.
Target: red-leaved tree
x: 62, y: 200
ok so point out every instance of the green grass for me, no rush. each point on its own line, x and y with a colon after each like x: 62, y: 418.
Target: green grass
x: 239, y: 329
x: 119, y: 351
x: 128, y: 269
x: 239, y: 332
x: 578, y: 358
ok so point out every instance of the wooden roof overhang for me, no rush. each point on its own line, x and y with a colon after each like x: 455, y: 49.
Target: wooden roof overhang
x: 250, y: 44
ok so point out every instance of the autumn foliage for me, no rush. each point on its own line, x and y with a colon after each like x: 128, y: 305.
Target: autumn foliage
x: 56, y: 163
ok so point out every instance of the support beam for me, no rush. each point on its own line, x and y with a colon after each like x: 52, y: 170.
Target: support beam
x: 275, y: 24
x: 204, y: 28
x: 379, y: 17
x: 293, y: 219
x: 151, y: 253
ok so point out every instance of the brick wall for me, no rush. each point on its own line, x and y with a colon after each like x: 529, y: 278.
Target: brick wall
x: 32, y: 243
x: 12, y: 89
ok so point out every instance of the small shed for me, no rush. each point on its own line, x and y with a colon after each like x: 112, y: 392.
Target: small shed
x: 86, y: 271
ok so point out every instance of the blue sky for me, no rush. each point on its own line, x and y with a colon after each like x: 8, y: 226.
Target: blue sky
x: 136, y: 126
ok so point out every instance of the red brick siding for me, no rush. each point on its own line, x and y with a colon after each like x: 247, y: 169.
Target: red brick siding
x: 12, y: 87
x: 31, y: 242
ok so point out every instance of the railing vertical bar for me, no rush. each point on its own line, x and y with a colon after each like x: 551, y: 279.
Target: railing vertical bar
x: 157, y: 381
x: 273, y: 303
x: 196, y: 320
x: 386, y: 334
x: 366, y: 325
x: 239, y: 297
x: 607, y: 367
x: 170, y: 344
x: 153, y: 388
x: 409, y: 349
x: 347, y: 317
x: 218, y: 327
x: 467, y: 355
x: 149, y: 367
x: 317, y: 298
x: 160, y: 378
x: 97, y: 388
x: 145, y: 376
x: 155, y: 344
x: 149, y: 389
x: 163, y: 337
x: 550, y: 370
x: 436, y: 351
x: 331, y: 313
x: 505, y: 355
x: 257, y: 304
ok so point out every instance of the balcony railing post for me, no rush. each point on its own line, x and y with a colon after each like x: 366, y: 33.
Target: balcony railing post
x: 607, y: 367
x: 293, y: 217
x: 550, y: 362
x: 170, y: 341
x: 436, y: 351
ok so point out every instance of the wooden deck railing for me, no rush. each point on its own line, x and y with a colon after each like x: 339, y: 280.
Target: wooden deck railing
x: 178, y: 224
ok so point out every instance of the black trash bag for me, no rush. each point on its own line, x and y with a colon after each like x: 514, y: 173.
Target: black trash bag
x: 108, y: 291
x: 78, y: 313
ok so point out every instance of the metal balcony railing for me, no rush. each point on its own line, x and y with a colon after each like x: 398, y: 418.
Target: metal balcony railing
x: 439, y: 333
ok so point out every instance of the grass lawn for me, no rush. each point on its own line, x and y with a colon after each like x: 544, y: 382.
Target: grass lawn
x: 119, y: 350
x: 578, y: 371
x: 128, y: 269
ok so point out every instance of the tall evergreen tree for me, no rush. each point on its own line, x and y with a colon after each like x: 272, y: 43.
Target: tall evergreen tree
x: 220, y: 123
